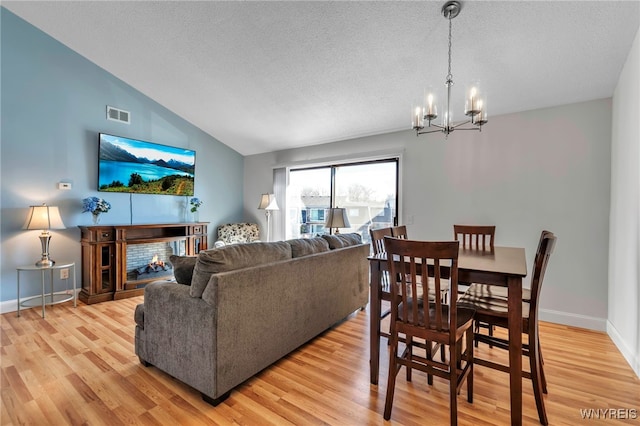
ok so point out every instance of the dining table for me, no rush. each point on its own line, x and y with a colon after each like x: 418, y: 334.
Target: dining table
x: 502, y: 266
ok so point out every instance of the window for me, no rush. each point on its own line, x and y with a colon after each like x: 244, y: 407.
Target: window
x: 368, y: 191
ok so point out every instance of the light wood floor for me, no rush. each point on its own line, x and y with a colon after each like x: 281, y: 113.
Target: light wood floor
x: 78, y: 367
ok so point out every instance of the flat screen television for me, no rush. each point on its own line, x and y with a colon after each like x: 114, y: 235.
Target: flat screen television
x: 134, y: 166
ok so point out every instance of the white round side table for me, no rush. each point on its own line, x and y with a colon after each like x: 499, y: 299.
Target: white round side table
x: 50, y: 298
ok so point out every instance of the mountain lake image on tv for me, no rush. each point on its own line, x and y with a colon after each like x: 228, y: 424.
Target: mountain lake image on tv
x: 130, y: 165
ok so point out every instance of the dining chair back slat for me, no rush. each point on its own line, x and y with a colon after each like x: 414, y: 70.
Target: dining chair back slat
x: 475, y: 236
x: 377, y: 239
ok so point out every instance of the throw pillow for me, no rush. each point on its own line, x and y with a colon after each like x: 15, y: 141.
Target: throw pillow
x: 306, y: 246
x: 352, y: 239
x: 232, y: 257
x: 183, y: 268
x: 342, y: 240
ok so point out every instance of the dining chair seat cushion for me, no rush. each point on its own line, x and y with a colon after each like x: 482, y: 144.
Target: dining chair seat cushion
x: 444, y: 287
x: 465, y: 314
x: 491, y: 306
x: 494, y: 291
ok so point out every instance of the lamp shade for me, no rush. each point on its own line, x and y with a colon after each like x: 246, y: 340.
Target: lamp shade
x: 268, y: 202
x: 337, y: 218
x: 43, y: 217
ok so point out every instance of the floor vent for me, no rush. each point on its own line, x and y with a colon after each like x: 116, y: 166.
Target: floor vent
x: 120, y: 115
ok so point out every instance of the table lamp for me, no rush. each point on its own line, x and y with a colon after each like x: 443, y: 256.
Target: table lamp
x: 337, y: 218
x: 268, y: 203
x: 44, y: 218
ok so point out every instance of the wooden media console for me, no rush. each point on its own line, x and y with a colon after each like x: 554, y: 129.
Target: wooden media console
x: 105, y: 273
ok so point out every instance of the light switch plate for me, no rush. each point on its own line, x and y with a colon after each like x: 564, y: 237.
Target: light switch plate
x: 64, y: 185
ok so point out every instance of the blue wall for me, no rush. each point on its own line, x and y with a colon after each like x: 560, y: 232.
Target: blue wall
x: 53, y: 106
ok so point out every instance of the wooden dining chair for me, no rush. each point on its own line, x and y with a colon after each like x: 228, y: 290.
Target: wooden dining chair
x: 490, y: 303
x: 475, y: 237
x: 423, y: 320
x: 377, y: 242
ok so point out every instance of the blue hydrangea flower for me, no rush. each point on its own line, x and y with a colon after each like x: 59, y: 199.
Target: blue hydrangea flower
x: 195, y: 203
x: 95, y: 205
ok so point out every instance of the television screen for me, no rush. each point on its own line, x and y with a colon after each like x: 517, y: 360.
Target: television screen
x: 130, y: 165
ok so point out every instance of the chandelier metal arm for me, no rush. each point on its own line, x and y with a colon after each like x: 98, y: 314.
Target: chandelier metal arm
x: 445, y: 130
x: 439, y: 130
x: 462, y: 124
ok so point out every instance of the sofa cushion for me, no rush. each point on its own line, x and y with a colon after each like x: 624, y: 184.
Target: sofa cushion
x: 232, y: 257
x: 342, y: 240
x: 183, y: 268
x: 306, y: 246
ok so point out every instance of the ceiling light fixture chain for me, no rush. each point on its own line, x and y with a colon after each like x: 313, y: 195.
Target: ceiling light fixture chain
x: 475, y: 101
x: 449, y: 75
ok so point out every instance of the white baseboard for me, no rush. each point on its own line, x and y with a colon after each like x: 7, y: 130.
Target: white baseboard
x: 633, y: 358
x: 12, y: 305
x: 575, y: 320
x: 597, y: 324
x: 8, y: 306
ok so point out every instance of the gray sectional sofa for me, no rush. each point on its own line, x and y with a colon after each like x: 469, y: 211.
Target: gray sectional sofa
x: 236, y: 310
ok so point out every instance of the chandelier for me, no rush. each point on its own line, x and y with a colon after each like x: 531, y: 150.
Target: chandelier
x: 427, y: 110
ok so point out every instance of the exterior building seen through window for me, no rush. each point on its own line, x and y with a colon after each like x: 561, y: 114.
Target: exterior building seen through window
x: 368, y: 192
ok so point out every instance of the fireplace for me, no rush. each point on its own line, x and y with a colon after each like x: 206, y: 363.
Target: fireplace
x: 150, y: 261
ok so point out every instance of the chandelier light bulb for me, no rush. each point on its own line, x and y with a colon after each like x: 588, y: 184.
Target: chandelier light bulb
x: 482, y: 116
x: 431, y: 109
x: 417, y: 118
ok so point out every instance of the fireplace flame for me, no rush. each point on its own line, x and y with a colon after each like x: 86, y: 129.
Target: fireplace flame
x: 156, y: 262
x: 155, y: 265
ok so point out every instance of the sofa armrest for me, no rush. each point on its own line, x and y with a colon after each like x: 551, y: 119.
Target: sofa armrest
x: 179, y: 335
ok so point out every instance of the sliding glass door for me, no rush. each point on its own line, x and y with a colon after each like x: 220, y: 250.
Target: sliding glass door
x: 368, y: 191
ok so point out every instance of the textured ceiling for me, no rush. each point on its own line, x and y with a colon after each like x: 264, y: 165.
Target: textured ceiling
x: 265, y: 76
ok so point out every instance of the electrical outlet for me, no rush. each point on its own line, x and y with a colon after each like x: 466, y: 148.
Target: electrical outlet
x: 64, y: 274
x: 64, y: 185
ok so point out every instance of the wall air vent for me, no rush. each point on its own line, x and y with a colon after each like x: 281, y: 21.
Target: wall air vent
x: 120, y: 115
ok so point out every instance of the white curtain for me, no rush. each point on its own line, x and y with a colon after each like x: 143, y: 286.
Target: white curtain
x: 278, y: 219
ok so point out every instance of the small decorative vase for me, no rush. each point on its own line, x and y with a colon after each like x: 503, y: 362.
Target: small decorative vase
x: 96, y: 218
x: 196, y: 216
